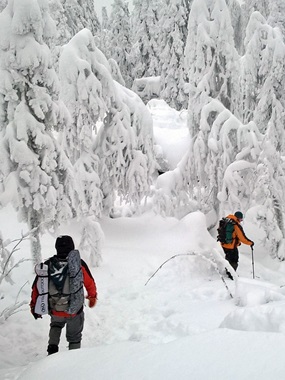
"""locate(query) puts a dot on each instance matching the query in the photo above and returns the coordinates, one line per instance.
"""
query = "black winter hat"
(239, 214)
(63, 245)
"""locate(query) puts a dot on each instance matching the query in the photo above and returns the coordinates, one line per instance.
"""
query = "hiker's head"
(239, 216)
(63, 245)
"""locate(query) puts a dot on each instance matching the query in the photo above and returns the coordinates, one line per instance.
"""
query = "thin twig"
(193, 254)
(21, 288)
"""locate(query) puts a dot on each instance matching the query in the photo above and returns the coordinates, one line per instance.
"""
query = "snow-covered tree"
(103, 39)
(120, 38)
(269, 194)
(211, 58)
(145, 32)
(77, 15)
(81, 91)
(63, 33)
(173, 37)
(250, 6)
(237, 23)
(277, 15)
(262, 79)
(116, 72)
(92, 95)
(29, 112)
(222, 159)
(91, 241)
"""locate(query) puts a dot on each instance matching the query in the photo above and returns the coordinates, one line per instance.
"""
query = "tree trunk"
(33, 221)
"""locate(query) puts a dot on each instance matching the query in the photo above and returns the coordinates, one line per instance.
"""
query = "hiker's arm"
(34, 297)
(241, 235)
(88, 280)
(34, 294)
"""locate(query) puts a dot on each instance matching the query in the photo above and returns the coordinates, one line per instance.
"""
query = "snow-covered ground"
(163, 310)
(170, 131)
(182, 324)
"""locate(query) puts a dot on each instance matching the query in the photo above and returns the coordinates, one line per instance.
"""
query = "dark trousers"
(74, 328)
(232, 257)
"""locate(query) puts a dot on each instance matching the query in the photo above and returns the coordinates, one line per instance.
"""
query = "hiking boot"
(74, 345)
(52, 349)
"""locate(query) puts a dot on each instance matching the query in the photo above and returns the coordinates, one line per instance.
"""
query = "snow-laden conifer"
(173, 35)
(237, 23)
(63, 33)
(122, 151)
(120, 38)
(30, 112)
(116, 72)
(262, 77)
(211, 58)
(103, 38)
(276, 15)
(79, 15)
(269, 194)
(91, 241)
(82, 92)
(145, 32)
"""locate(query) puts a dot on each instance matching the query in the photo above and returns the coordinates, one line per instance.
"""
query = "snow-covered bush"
(7, 265)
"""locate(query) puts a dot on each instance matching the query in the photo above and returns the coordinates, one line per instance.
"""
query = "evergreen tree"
(211, 58)
(269, 194)
(237, 23)
(120, 42)
(29, 112)
(91, 241)
(262, 77)
(103, 39)
(172, 42)
(79, 15)
(63, 33)
(145, 32)
(276, 15)
(81, 91)
(116, 72)
(109, 152)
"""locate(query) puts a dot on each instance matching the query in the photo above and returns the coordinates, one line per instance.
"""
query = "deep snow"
(183, 324)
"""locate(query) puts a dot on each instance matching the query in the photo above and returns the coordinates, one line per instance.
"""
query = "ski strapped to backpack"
(65, 286)
(225, 230)
(41, 306)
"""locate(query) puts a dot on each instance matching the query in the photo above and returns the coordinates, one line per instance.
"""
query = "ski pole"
(252, 262)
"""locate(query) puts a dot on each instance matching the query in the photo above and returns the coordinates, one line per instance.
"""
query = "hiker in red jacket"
(59, 315)
(238, 237)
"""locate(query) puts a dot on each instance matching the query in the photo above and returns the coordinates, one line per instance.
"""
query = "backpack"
(225, 230)
(65, 284)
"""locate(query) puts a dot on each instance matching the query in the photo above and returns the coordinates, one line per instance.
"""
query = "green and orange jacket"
(238, 235)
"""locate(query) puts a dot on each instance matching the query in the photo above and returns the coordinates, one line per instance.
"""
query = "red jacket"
(88, 282)
(238, 235)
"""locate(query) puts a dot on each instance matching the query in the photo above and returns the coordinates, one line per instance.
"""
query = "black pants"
(232, 257)
(74, 328)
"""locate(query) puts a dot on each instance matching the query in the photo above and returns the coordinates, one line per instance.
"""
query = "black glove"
(252, 244)
(35, 315)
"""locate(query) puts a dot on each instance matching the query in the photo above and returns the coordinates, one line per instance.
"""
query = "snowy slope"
(182, 323)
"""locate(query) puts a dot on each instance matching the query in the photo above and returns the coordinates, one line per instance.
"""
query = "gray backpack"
(65, 286)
